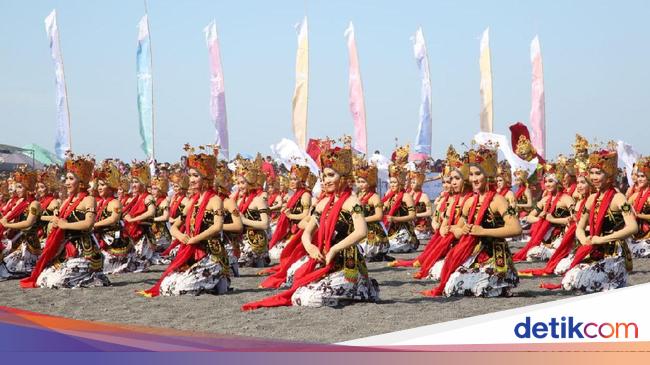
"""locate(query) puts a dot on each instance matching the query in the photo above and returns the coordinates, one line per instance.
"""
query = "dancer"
(375, 245)
(640, 244)
(422, 203)
(399, 211)
(138, 215)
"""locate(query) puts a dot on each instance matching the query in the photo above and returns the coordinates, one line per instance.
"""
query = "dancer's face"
(362, 184)
(20, 190)
(103, 189)
(583, 187)
(294, 182)
(242, 184)
(71, 183)
(598, 178)
(415, 186)
(568, 180)
(196, 180)
(550, 184)
(136, 186)
(331, 180)
(501, 183)
(477, 178)
(641, 179)
(394, 184)
(41, 190)
(446, 183)
(456, 181)
(155, 191)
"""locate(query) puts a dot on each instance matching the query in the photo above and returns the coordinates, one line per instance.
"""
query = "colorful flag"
(217, 90)
(537, 112)
(63, 142)
(357, 106)
(486, 83)
(423, 138)
(301, 91)
(145, 88)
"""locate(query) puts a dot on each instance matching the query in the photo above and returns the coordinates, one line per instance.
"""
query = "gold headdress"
(4, 187)
(26, 177)
(49, 178)
(311, 181)
(581, 147)
(525, 148)
(455, 162)
(368, 173)
(82, 167)
(485, 158)
(419, 174)
(140, 171)
(283, 181)
(566, 166)
(551, 170)
(503, 170)
(336, 158)
(301, 172)
(605, 160)
(204, 163)
(109, 173)
(643, 166)
(223, 176)
(251, 170)
(161, 183)
(397, 168)
(180, 178)
(125, 184)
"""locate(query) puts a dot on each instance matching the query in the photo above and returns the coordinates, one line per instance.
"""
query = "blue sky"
(596, 62)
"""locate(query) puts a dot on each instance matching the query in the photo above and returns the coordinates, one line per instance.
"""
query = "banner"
(627, 157)
(357, 106)
(486, 83)
(217, 90)
(145, 88)
(537, 112)
(301, 91)
(63, 142)
(423, 138)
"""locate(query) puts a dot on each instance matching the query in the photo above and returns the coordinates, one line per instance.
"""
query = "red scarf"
(176, 203)
(46, 201)
(101, 207)
(186, 252)
(441, 247)
(160, 199)
(504, 191)
(366, 197)
(16, 211)
(247, 199)
(393, 208)
(540, 229)
(462, 251)
(53, 242)
(8, 206)
(416, 199)
(137, 206)
(284, 222)
(123, 200)
(571, 189)
(640, 200)
(597, 215)
(520, 192)
(308, 273)
(563, 249)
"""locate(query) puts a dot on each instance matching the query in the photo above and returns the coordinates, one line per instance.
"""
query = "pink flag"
(357, 106)
(217, 90)
(537, 112)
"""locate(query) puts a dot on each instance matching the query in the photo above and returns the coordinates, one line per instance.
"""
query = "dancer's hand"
(476, 230)
(597, 240)
(184, 238)
(466, 229)
(331, 255)
(444, 230)
(192, 241)
(314, 253)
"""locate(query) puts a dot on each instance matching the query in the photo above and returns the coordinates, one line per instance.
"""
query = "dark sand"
(401, 305)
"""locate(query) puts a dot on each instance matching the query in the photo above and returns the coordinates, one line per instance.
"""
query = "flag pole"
(153, 119)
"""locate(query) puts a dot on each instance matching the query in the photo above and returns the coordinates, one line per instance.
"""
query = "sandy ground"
(401, 306)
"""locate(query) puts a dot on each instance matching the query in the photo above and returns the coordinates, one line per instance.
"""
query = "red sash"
(462, 251)
(282, 228)
(176, 203)
(393, 208)
(16, 211)
(596, 220)
(539, 231)
(520, 192)
(308, 273)
(504, 191)
(137, 206)
(247, 199)
(186, 252)
(53, 243)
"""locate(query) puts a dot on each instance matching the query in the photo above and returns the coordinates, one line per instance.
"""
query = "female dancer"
(481, 264)
(255, 215)
(336, 271)
(399, 211)
(180, 184)
(422, 203)
(232, 225)
(640, 200)
(375, 245)
(71, 257)
(138, 214)
(504, 183)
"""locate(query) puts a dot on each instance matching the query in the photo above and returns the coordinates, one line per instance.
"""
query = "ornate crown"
(204, 163)
(109, 173)
(26, 177)
(504, 170)
(552, 170)
(566, 165)
(605, 160)
(311, 181)
(401, 154)
(125, 184)
(455, 162)
(581, 146)
(368, 173)
(140, 171)
(643, 165)
(161, 183)
(4, 187)
(180, 178)
(81, 166)
(48, 178)
(525, 148)
(336, 158)
(485, 158)
(283, 181)
(301, 172)
(251, 170)
(419, 174)
(223, 176)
